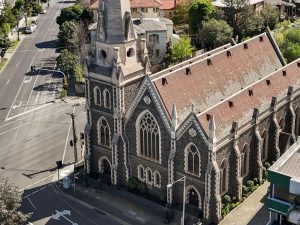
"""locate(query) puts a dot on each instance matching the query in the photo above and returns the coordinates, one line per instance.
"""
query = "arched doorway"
(105, 170)
(193, 197)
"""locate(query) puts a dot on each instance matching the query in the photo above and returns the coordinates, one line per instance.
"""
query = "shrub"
(227, 199)
(141, 187)
(255, 180)
(267, 165)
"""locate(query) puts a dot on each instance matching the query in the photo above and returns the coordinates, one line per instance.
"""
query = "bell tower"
(116, 62)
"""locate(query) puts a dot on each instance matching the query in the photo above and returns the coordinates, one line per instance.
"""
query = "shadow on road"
(52, 86)
(47, 44)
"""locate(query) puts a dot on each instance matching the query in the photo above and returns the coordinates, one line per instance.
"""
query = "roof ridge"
(205, 58)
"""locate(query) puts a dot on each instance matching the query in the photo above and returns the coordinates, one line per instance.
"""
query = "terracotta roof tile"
(94, 4)
(168, 4)
(145, 3)
(244, 103)
(226, 75)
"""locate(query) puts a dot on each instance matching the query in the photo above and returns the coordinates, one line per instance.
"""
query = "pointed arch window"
(297, 122)
(107, 99)
(141, 175)
(97, 96)
(223, 177)
(148, 137)
(264, 147)
(244, 160)
(103, 132)
(149, 176)
(157, 179)
(192, 160)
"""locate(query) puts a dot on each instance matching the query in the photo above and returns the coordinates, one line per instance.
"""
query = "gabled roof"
(257, 95)
(145, 3)
(217, 76)
(168, 4)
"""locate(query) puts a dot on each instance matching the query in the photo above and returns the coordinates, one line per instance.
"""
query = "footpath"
(124, 207)
(252, 211)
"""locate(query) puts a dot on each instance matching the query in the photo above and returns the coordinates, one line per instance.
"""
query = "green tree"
(67, 62)
(8, 16)
(180, 50)
(181, 12)
(198, 12)
(4, 41)
(233, 11)
(67, 36)
(74, 13)
(270, 15)
(251, 23)
(215, 33)
(10, 202)
(79, 75)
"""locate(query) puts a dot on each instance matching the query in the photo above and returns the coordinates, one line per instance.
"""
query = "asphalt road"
(51, 208)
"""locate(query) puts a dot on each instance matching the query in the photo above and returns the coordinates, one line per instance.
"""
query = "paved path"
(252, 211)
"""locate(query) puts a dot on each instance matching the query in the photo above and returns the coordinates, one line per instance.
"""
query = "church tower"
(115, 65)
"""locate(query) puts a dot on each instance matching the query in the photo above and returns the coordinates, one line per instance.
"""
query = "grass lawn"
(14, 44)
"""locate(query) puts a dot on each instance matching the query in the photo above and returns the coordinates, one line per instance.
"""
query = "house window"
(157, 52)
(155, 10)
(244, 160)
(157, 179)
(107, 100)
(103, 132)
(145, 10)
(97, 96)
(192, 160)
(153, 39)
(134, 10)
(297, 122)
(148, 176)
(141, 175)
(223, 177)
(148, 136)
(264, 147)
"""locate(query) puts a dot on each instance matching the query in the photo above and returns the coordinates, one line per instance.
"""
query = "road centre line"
(8, 81)
(31, 203)
(17, 65)
(33, 88)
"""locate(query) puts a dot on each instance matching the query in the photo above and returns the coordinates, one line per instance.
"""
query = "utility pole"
(74, 144)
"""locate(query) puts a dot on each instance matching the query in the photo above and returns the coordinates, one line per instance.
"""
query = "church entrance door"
(105, 171)
(193, 198)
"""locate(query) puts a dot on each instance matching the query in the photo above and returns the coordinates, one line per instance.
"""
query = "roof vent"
(284, 72)
(228, 53)
(191, 61)
(231, 104)
(250, 92)
(208, 54)
(188, 71)
(261, 38)
(298, 64)
(268, 82)
(164, 81)
(209, 62)
(207, 116)
(170, 70)
(245, 46)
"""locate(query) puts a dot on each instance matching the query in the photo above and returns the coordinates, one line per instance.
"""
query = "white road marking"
(17, 106)
(20, 114)
(30, 185)
(31, 203)
(32, 88)
(8, 81)
(66, 143)
(37, 190)
(37, 97)
(140, 219)
(17, 65)
(62, 214)
(27, 81)
(132, 212)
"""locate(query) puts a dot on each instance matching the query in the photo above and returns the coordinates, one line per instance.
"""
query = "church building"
(216, 118)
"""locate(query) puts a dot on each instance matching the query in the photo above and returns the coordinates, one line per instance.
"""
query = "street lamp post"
(183, 179)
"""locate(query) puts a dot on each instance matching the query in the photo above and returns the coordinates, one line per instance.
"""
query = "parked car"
(43, 11)
(30, 29)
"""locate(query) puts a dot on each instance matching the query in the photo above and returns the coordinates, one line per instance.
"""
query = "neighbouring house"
(257, 5)
(284, 191)
(145, 8)
(167, 8)
(287, 9)
(215, 118)
(158, 33)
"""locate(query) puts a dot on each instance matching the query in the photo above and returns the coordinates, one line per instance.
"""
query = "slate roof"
(258, 95)
(152, 25)
(217, 76)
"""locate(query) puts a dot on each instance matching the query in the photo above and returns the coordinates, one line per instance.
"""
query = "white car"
(30, 29)
(43, 11)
